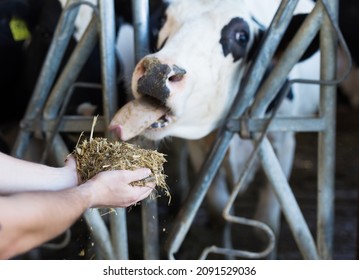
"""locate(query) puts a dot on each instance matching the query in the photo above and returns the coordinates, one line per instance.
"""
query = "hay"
(100, 154)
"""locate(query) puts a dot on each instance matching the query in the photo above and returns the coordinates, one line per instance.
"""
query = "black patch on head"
(235, 38)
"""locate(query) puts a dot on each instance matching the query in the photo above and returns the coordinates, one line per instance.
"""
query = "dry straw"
(100, 154)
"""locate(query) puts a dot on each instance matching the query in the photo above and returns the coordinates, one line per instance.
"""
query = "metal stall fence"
(45, 119)
(323, 18)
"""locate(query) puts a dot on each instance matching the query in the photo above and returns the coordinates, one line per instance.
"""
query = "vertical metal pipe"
(326, 145)
(107, 32)
(100, 233)
(141, 11)
(149, 209)
(108, 57)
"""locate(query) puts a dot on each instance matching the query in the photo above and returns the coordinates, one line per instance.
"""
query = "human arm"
(30, 219)
(17, 175)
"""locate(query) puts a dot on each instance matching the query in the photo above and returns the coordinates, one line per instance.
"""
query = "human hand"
(112, 189)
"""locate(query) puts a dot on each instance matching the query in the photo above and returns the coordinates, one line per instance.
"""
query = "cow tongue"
(135, 116)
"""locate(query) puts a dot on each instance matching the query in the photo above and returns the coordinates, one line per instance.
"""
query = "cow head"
(187, 86)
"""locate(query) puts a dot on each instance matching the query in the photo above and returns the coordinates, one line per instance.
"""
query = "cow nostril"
(177, 75)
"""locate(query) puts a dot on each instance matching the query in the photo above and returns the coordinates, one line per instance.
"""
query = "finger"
(138, 174)
(142, 192)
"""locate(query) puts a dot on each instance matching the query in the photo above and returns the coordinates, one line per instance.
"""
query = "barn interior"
(22, 62)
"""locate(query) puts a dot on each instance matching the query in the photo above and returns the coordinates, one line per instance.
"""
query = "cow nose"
(155, 78)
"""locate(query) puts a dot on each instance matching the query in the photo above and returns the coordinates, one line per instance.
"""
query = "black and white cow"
(186, 88)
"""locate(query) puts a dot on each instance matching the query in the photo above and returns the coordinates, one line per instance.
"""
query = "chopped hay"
(100, 154)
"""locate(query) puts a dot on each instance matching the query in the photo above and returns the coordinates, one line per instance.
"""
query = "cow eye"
(242, 37)
(234, 38)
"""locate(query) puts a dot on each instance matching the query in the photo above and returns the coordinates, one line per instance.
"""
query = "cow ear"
(257, 42)
(293, 26)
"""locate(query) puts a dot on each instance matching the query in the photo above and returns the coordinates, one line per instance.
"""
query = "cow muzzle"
(156, 79)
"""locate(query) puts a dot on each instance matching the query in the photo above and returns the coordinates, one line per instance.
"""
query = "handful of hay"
(99, 154)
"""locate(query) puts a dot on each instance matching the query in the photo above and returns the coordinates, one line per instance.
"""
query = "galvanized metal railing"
(41, 118)
(41, 122)
(323, 18)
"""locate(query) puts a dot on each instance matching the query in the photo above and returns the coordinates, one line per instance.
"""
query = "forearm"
(30, 219)
(19, 175)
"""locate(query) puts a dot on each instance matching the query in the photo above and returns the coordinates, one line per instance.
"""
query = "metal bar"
(267, 92)
(214, 159)
(291, 210)
(149, 206)
(108, 57)
(76, 124)
(141, 26)
(326, 140)
(51, 132)
(107, 34)
(62, 36)
(59, 151)
(71, 71)
(99, 230)
(118, 223)
(280, 124)
(242, 253)
(188, 211)
(271, 41)
(290, 57)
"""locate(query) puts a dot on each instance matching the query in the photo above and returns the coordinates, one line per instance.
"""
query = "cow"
(186, 87)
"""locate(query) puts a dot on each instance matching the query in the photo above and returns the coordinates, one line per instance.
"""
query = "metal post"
(99, 230)
(290, 57)
(107, 34)
(326, 145)
(108, 57)
(287, 200)
(149, 206)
